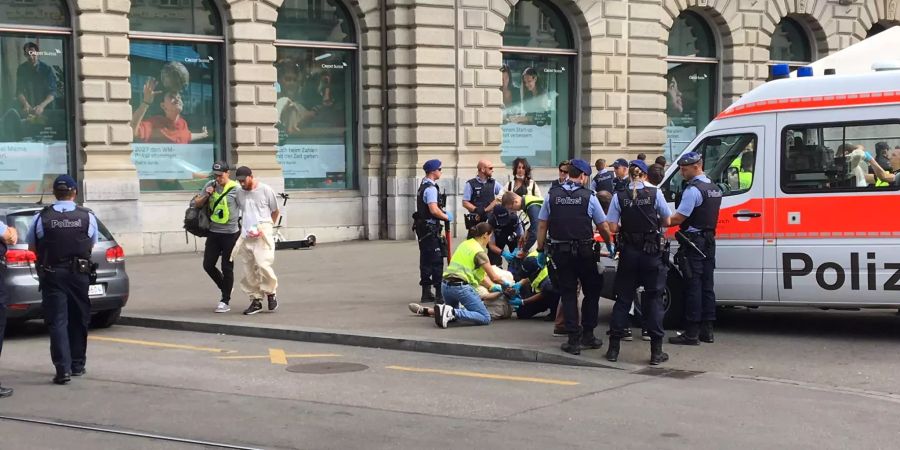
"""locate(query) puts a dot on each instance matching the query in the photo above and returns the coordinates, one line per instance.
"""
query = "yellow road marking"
(489, 376)
(288, 356)
(277, 356)
(159, 344)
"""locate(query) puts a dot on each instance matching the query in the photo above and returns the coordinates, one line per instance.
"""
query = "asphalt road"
(255, 393)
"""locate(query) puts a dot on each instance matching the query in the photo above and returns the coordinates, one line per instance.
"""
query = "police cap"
(621, 162)
(581, 165)
(689, 158)
(500, 217)
(431, 165)
(64, 183)
(530, 267)
(640, 165)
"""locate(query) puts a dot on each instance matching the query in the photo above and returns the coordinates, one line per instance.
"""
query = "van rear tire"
(673, 301)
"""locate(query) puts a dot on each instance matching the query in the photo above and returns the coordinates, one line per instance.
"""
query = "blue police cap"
(500, 216)
(530, 267)
(640, 165)
(581, 165)
(431, 165)
(64, 183)
(689, 158)
(621, 162)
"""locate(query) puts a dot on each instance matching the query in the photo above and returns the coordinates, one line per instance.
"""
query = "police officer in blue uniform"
(603, 181)
(62, 236)
(697, 214)
(480, 194)
(638, 214)
(507, 238)
(427, 226)
(620, 179)
(569, 215)
(8, 236)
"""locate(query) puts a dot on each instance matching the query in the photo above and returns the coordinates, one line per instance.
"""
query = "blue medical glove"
(517, 287)
(542, 259)
(611, 249)
(508, 255)
(516, 302)
(506, 285)
(496, 288)
(867, 157)
(449, 216)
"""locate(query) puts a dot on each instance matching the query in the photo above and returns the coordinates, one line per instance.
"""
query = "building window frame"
(807, 35)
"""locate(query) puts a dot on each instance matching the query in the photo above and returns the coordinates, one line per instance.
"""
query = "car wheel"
(673, 301)
(106, 319)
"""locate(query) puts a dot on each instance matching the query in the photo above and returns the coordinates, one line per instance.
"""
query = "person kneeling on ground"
(466, 271)
(497, 303)
(538, 292)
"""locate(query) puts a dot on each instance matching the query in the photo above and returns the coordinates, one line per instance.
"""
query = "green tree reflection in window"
(691, 36)
(790, 43)
(314, 20)
(536, 24)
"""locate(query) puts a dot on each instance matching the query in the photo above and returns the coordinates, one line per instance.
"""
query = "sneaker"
(645, 335)
(255, 307)
(417, 309)
(628, 336)
(443, 315)
(560, 332)
(5, 392)
(223, 307)
(273, 304)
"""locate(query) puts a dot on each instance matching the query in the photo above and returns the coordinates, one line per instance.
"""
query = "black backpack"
(196, 220)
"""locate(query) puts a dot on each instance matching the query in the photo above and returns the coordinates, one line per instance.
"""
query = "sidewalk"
(350, 293)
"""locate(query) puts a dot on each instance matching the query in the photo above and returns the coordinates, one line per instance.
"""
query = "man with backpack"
(219, 200)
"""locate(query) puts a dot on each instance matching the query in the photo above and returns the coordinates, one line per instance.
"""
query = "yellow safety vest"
(462, 264)
(532, 200)
(746, 179)
(221, 214)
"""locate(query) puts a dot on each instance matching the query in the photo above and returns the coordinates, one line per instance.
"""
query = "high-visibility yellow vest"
(746, 179)
(221, 214)
(532, 200)
(462, 264)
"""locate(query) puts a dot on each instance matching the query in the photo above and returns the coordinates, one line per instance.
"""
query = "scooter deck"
(293, 245)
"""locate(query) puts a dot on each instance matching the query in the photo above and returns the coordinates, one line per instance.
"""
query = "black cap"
(243, 172)
(220, 167)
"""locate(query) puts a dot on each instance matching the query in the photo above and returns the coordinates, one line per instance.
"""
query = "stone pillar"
(251, 77)
(110, 183)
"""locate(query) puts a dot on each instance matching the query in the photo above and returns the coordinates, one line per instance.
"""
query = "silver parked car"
(108, 295)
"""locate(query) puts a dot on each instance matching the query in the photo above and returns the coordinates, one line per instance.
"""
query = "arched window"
(317, 101)
(176, 92)
(790, 45)
(35, 95)
(692, 80)
(539, 72)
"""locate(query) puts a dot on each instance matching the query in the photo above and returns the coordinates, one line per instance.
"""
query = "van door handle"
(747, 214)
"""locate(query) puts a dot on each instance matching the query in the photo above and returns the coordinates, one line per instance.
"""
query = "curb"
(359, 340)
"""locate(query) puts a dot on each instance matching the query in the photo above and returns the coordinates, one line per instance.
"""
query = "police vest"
(221, 214)
(569, 219)
(706, 216)
(620, 184)
(462, 264)
(507, 233)
(639, 214)
(603, 181)
(424, 213)
(482, 194)
(65, 236)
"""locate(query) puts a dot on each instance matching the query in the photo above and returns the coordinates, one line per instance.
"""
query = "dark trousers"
(699, 293)
(431, 259)
(549, 301)
(567, 269)
(4, 300)
(67, 309)
(220, 245)
(637, 268)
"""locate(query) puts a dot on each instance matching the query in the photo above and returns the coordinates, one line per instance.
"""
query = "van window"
(831, 158)
(728, 160)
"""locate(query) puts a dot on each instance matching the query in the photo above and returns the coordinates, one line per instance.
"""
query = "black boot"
(689, 337)
(438, 296)
(612, 353)
(706, 332)
(427, 295)
(573, 345)
(657, 355)
(588, 340)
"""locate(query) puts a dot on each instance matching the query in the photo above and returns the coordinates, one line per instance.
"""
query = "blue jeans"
(474, 312)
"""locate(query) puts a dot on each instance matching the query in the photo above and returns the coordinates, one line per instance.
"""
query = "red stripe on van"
(826, 101)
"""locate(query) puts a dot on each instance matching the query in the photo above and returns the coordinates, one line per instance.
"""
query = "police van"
(803, 220)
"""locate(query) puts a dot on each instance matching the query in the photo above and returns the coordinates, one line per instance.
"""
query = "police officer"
(603, 181)
(8, 236)
(697, 214)
(638, 215)
(480, 194)
(570, 214)
(620, 179)
(427, 225)
(62, 236)
(508, 237)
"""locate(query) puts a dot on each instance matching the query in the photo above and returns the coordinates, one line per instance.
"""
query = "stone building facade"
(443, 96)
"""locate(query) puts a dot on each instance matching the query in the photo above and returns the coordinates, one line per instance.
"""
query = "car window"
(728, 160)
(832, 157)
(22, 222)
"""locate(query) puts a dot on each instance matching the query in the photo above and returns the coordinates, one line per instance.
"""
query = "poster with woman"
(175, 113)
